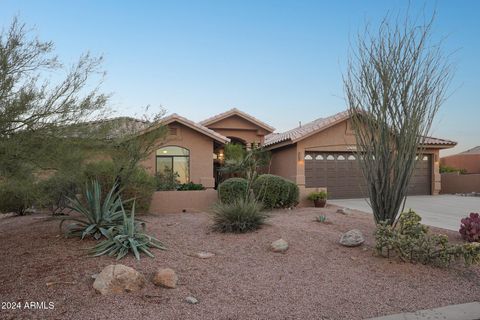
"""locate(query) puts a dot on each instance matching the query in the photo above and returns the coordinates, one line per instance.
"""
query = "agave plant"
(97, 216)
(321, 218)
(129, 236)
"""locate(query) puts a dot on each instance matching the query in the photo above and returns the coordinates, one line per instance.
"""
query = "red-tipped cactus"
(470, 228)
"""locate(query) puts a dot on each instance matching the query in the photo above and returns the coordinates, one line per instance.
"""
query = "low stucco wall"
(460, 183)
(182, 201)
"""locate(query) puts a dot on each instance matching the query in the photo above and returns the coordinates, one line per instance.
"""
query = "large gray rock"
(352, 238)
(279, 245)
(165, 278)
(117, 279)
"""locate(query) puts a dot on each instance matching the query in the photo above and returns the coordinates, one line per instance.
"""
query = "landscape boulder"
(118, 279)
(279, 245)
(191, 300)
(165, 278)
(352, 238)
(344, 211)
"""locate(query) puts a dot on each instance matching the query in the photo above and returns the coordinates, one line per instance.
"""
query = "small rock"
(204, 255)
(165, 278)
(191, 300)
(343, 211)
(116, 279)
(352, 238)
(279, 245)
(94, 276)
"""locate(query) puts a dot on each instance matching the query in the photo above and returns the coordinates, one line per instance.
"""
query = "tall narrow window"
(176, 160)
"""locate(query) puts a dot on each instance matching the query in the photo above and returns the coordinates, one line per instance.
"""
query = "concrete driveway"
(443, 211)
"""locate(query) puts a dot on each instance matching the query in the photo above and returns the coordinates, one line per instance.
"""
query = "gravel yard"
(315, 279)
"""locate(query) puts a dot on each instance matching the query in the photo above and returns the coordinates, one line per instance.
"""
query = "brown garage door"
(343, 177)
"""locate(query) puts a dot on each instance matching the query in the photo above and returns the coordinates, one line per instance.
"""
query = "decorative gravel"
(315, 279)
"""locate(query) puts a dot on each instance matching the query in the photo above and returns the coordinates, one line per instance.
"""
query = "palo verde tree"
(37, 112)
(395, 83)
(134, 141)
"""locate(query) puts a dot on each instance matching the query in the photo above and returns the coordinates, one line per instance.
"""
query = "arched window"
(174, 160)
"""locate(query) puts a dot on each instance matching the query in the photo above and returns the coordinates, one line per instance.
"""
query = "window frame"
(172, 159)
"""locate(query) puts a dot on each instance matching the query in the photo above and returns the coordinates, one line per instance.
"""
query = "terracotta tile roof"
(191, 124)
(321, 124)
(305, 130)
(438, 141)
(239, 113)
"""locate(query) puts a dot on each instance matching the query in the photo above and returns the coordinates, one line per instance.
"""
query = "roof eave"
(175, 118)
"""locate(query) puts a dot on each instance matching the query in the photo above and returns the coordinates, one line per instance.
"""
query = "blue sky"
(281, 61)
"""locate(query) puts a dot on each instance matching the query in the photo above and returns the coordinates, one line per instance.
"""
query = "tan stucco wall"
(284, 162)
(469, 162)
(201, 154)
(339, 137)
(183, 201)
(235, 126)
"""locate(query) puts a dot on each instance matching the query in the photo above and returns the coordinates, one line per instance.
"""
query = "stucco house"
(315, 155)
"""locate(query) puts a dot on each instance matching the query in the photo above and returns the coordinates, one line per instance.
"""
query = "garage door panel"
(343, 177)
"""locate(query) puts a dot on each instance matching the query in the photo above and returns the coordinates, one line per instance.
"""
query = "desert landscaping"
(315, 278)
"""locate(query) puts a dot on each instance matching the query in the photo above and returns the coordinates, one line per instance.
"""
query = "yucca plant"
(129, 236)
(97, 215)
(240, 216)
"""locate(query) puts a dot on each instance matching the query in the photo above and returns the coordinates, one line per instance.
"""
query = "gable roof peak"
(174, 117)
(237, 112)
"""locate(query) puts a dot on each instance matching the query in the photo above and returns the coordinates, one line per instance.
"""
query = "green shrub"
(167, 180)
(135, 183)
(140, 186)
(275, 192)
(17, 195)
(125, 237)
(448, 169)
(239, 216)
(232, 189)
(102, 171)
(321, 195)
(190, 186)
(411, 241)
(54, 191)
(98, 213)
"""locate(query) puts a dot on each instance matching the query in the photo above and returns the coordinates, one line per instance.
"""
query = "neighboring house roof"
(306, 130)
(192, 125)
(236, 112)
(475, 150)
(469, 152)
